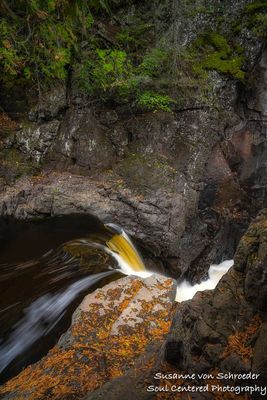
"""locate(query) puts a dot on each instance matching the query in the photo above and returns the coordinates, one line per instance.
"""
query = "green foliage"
(104, 69)
(44, 40)
(41, 39)
(154, 101)
(38, 38)
(109, 72)
(153, 62)
(256, 6)
(135, 35)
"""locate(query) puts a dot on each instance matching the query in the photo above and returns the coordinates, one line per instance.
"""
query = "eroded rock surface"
(224, 330)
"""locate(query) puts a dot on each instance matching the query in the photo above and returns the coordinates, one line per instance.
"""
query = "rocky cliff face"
(225, 329)
(185, 184)
(193, 177)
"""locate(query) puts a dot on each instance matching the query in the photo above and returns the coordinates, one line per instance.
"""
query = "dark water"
(42, 280)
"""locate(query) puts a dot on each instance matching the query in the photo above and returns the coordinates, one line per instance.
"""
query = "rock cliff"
(194, 175)
(184, 181)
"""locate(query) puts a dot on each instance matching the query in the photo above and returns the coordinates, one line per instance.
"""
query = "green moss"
(201, 10)
(213, 52)
(231, 66)
(254, 17)
(219, 43)
(256, 6)
(236, 27)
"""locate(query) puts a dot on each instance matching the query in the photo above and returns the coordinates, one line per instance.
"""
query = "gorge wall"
(192, 177)
(184, 182)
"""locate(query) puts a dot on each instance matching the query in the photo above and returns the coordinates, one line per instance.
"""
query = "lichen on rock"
(110, 330)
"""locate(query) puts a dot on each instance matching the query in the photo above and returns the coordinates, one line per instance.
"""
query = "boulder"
(110, 330)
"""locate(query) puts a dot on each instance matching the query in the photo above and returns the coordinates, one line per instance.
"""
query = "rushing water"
(45, 271)
(41, 317)
(186, 291)
(46, 267)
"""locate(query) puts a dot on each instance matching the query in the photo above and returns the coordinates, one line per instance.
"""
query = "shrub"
(153, 62)
(38, 38)
(108, 72)
(104, 69)
(154, 101)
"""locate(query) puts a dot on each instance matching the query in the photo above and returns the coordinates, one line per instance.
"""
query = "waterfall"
(186, 291)
(123, 250)
(41, 316)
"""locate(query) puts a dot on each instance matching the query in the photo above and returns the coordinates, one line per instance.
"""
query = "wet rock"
(251, 258)
(256, 285)
(218, 329)
(256, 96)
(109, 332)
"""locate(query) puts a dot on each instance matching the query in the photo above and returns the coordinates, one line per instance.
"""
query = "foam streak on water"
(40, 318)
(186, 291)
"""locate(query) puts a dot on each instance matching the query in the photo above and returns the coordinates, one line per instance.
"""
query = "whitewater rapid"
(186, 291)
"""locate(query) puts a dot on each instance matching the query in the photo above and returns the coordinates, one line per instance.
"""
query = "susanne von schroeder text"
(220, 375)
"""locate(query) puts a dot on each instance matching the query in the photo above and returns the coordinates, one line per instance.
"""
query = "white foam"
(126, 268)
(186, 291)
